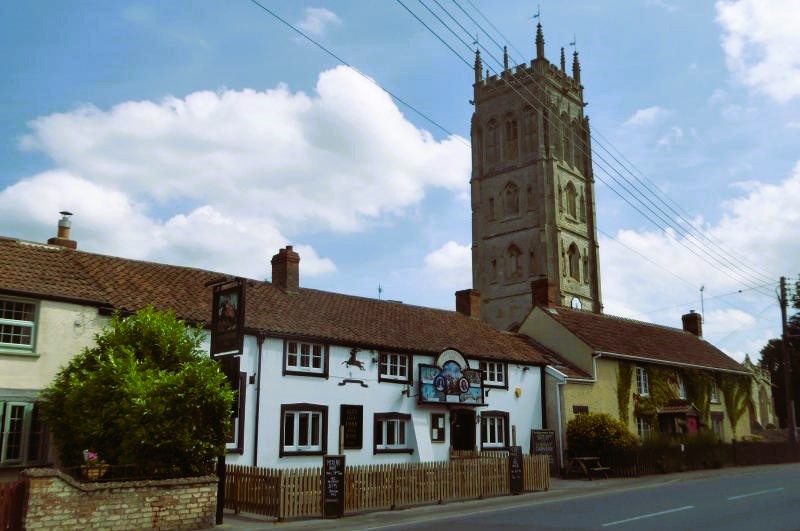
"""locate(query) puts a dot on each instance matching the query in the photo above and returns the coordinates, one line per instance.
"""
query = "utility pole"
(787, 368)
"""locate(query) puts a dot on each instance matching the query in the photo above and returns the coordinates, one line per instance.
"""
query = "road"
(764, 498)
(760, 499)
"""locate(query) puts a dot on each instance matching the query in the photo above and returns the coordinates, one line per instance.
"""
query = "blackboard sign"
(543, 442)
(352, 419)
(515, 471)
(332, 486)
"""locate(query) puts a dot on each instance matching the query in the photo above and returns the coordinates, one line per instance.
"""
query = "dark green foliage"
(592, 434)
(736, 391)
(624, 383)
(144, 395)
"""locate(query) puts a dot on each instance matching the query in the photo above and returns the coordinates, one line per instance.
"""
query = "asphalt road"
(762, 498)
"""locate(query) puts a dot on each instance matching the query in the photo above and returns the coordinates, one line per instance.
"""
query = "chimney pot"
(62, 236)
(693, 323)
(468, 302)
(286, 270)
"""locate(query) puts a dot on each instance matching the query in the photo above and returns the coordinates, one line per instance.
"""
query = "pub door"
(462, 429)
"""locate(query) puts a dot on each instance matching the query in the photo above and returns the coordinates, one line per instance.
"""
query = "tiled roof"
(48, 271)
(628, 338)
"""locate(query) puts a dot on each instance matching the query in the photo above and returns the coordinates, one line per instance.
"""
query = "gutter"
(599, 354)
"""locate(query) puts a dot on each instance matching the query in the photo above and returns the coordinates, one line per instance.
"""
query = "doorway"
(462, 429)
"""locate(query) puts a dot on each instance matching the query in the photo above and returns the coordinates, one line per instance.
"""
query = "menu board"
(351, 417)
(332, 486)
(543, 442)
(515, 470)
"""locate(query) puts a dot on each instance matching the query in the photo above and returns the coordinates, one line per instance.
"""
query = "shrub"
(144, 395)
(596, 433)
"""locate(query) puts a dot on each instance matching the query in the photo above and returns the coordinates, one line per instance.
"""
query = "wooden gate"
(12, 505)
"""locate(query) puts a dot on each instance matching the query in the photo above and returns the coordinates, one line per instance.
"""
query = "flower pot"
(93, 472)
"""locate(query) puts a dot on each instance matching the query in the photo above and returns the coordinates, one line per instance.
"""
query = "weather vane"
(538, 12)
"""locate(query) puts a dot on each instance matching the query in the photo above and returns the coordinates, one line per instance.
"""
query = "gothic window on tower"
(530, 197)
(574, 259)
(566, 134)
(494, 270)
(530, 136)
(585, 269)
(572, 200)
(491, 208)
(531, 263)
(511, 197)
(510, 147)
(514, 256)
(577, 143)
(491, 142)
(583, 208)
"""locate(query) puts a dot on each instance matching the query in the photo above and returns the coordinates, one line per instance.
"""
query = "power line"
(345, 63)
(690, 241)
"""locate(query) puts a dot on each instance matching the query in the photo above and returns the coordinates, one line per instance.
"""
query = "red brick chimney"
(62, 239)
(693, 323)
(286, 270)
(468, 302)
(543, 293)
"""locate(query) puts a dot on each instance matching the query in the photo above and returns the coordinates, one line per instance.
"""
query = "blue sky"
(207, 133)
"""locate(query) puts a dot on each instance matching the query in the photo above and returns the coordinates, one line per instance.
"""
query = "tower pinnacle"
(539, 41)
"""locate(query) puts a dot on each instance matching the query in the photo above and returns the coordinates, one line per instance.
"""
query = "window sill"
(393, 451)
(494, 385)
(296, 372)
(389, 379)
(296, 453)
(19, 353)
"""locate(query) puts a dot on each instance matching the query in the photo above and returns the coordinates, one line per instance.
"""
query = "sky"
(211, 134)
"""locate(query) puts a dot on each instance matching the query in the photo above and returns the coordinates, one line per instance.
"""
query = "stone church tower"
(534, 238)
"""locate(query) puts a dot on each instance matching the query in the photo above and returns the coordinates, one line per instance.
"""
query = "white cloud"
(327, 162)
(450, 265)
(757, 227)
(647, 116)
(760, 40)
(214, 177)
(671, 137)
(317, 20)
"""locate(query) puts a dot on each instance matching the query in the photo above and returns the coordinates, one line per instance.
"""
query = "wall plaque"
(351, 417)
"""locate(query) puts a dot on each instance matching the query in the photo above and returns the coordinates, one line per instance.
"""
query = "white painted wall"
(525, 410)
(62, 331)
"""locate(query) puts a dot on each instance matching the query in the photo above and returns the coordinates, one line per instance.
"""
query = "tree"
(144, 395)
(772, 361)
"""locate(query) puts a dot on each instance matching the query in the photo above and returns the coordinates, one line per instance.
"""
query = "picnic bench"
(587, 466)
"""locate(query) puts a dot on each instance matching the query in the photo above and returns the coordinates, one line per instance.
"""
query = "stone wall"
(57, 501)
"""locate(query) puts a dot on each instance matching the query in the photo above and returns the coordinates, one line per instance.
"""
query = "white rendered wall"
(524, 406)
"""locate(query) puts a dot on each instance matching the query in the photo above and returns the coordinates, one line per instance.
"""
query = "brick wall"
(57, 501)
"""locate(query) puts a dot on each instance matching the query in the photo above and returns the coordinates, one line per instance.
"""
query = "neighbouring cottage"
(654, 378)
(405, 383)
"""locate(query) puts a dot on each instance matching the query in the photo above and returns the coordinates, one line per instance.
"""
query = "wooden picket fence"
(297, 493)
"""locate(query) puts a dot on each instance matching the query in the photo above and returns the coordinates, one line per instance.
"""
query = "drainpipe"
(260, 342)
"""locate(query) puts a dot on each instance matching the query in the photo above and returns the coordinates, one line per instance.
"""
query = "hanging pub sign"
(450, 381)
(227, 318)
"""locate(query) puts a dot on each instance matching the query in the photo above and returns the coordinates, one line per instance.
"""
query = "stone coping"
(108, 485)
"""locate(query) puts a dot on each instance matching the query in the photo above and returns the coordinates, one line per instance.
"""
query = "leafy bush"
(144, 395)
(596, 433)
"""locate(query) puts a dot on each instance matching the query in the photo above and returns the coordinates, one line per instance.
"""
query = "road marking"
(651, 515)
(740, 496)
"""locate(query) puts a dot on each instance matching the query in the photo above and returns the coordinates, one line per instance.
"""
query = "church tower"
(534, 238)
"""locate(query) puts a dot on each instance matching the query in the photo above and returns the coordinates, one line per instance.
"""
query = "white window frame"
(299, 416)
(392, 433)
(298, 361)
(681, 387)
(643, 427)
(494, 373)
(493, 431)
(642, 382)
(8, 324)
(713, 393)
(399, 363)
(23, 457)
